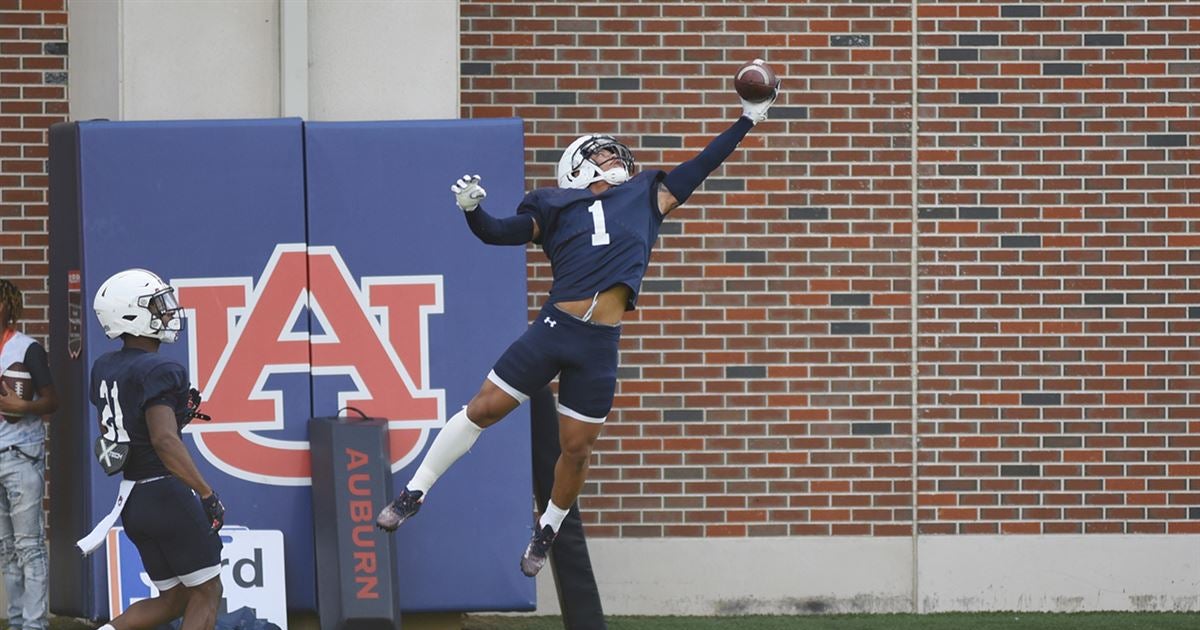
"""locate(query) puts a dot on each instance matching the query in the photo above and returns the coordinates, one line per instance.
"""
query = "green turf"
(944, 621)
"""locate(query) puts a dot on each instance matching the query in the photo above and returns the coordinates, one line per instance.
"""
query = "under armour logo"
(551, 322)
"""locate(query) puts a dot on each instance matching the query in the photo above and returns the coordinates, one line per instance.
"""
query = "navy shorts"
(583, 355)
(166, 522)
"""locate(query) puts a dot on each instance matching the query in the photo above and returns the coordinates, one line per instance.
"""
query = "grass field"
(944, 621)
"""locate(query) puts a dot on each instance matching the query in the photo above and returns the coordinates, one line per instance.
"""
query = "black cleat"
(403, 508)
(535, 554)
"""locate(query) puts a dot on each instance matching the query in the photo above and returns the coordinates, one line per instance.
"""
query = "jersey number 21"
(112, 419)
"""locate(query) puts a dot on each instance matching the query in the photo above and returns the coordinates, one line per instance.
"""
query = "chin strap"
(615, 176)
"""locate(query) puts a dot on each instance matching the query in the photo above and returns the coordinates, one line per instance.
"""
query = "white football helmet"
(139, 303)
(577, 170)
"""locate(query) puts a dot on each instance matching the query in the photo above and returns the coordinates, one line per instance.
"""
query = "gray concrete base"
(1060, 573)
(788, 576)
(746, 576)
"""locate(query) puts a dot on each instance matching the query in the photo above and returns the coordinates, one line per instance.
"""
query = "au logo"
(242, 332)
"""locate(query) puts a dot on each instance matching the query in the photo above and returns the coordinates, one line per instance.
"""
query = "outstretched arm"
(681, 182)
(515, 230)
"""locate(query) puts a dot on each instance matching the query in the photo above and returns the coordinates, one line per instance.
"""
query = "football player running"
(144, 400)
(597, 228)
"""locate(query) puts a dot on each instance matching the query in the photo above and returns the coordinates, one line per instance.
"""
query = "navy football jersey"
(126, 382)
(595, 242)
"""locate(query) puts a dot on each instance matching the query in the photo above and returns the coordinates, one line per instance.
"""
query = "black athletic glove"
(193, 405)
(215, 510)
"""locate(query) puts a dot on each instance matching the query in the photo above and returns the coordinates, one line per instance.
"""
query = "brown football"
(17, 380)
(755, 81)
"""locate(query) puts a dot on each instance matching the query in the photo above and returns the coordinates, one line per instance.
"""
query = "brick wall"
(767, 377)
(33, 96)
(1059, 267)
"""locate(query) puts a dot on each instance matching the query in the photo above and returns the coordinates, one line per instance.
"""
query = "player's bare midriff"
(610, 306)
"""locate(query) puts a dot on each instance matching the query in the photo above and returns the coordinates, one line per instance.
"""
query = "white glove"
(757, 112)
(468, 193)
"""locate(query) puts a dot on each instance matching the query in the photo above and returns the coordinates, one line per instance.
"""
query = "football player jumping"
(597, 228)
(144, 400)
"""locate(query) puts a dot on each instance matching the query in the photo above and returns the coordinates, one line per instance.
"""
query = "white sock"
(553, 516)
(107, 626)
(451, 443)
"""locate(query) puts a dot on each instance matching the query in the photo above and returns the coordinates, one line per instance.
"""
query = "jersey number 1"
(599, 236)
(112, 420)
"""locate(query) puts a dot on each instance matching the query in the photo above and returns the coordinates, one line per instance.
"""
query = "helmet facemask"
(166, 316)
(576, 168)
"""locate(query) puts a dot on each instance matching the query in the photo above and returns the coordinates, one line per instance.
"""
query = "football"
(755, 81)
(16, 379)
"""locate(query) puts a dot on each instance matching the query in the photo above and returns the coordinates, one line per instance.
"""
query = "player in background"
(23, 470)
(144, 400)
(597, 228)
